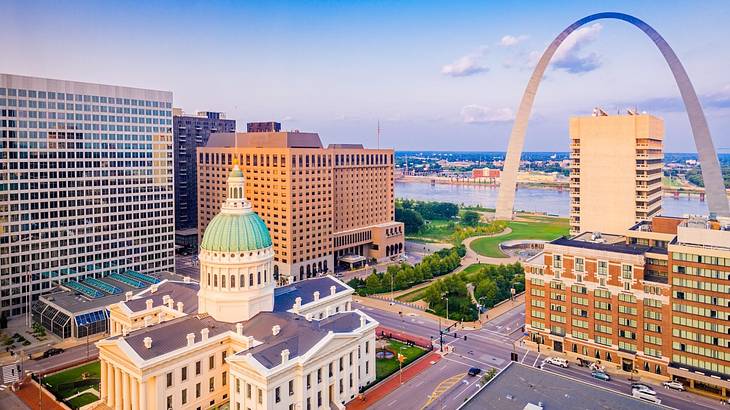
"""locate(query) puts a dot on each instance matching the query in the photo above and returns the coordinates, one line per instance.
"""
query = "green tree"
(470, 218)
(411, 219)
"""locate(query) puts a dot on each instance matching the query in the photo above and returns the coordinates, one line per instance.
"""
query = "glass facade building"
(86, 184)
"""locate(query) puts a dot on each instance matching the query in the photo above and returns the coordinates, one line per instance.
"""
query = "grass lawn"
(537, 227)
(54, 381)
(413, 296)
(436, 230)
(386, 367)
(671, 182)
(82, 400)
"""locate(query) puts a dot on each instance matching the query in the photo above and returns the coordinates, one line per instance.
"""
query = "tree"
(411, 219)
(470, 218)
(487, 289)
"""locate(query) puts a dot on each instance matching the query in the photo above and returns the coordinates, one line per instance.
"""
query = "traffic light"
(464, 337)
(455, 336)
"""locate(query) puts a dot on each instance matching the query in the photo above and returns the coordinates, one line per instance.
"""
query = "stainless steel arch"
(717, 200)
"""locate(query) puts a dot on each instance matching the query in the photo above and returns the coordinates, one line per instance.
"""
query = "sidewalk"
(29, 394)
(393, 382)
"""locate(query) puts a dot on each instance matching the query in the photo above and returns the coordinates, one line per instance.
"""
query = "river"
(551, 201)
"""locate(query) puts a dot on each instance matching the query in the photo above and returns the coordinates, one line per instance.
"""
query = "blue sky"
(438, 75)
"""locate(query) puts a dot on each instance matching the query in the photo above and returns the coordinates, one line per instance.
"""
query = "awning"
(352, 258)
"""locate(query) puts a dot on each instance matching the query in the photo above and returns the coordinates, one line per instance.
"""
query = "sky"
(436, 75)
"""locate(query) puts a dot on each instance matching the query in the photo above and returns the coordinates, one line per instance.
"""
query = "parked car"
(643, 387)
(646, 395)
(557, 361)
(601, 376)
(675, 385)
(52, 352)
(339, 275)
(474, 371)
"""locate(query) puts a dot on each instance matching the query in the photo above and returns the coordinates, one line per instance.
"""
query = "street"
(446, 385)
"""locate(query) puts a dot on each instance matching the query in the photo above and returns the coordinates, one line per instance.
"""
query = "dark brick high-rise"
(192, 131)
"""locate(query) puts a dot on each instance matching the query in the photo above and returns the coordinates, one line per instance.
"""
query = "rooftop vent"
(180, 306)
(128, 295)
(148, 342)
(239, 329)
(204, 333)
(284, 356)
(316, 295)
(190, 338)
(333, 290)
(275, 329)
(148, 304)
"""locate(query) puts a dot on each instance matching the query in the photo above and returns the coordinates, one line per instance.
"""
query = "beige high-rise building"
(322, 205)
(616, 171)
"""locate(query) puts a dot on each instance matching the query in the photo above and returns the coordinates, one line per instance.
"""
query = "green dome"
(236, 233)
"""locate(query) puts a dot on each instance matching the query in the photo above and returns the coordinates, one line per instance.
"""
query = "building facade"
(616, 171)
(86, 184)
(651, 301)
(244, 343)
(191, 131)
(322, 205)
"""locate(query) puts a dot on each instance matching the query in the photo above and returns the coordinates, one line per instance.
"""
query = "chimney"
(284, 356)
(147, 321)
(165, 299)
(153, 289)
(180, 307)
(171, 303)
(186, 279)
(160, 317)
(239, 329)
(333, 290)
(204, 333)
(148, 342)
(251, 341)
(128, 295)
(275, 329)
(148, 304)
(191, 338)
(316, 295)
(298, 301)
(362, 321)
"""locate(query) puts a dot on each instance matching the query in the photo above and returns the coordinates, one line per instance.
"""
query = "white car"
(642, 387)
(646, 395)
(557, 361)
(673, 385)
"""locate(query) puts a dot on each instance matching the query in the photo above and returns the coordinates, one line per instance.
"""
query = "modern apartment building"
(616, 171)
(86, 184)
(191, 131)
(652, 300)
(323, 206)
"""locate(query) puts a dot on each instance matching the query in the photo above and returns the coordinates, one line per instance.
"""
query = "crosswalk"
(10, 374)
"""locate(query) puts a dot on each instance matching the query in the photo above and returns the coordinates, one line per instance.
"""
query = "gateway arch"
(717, 200)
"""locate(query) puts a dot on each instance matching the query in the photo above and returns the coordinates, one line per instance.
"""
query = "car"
(645, 395)
(601, 376)
(557, 361)
(339, 275)
(642, 387)
(52, 352)
(474, 371)
(674, 385)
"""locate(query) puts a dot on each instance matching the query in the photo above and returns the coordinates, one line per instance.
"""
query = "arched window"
(223, 281)
(266, 278)
(242, 281)
(258, 278)
(208, 278)
(233, 281)
(250, 279)
(215, 281)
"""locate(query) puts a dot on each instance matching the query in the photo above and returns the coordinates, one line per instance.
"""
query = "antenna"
(378, 134)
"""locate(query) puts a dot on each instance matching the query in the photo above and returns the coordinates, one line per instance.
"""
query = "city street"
(446, 385)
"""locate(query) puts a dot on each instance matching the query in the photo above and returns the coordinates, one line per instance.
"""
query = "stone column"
(125, 392)
(117, 389)
(142, 395)
(103, 379)
(135, 391)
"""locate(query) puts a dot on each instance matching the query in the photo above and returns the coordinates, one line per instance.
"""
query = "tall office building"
(190, 132)
(322, 205)
(616, 171)
(652, 300)
(86, 184)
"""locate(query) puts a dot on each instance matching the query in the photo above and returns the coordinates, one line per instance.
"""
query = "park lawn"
(386, 367)
(537, 227)
(413, 296)
(671, 182)
(72, 375)
(435, 230)
(82, 400)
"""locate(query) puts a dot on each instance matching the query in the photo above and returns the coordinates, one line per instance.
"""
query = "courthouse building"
(652, 300)
(234, 338)
(323, 206)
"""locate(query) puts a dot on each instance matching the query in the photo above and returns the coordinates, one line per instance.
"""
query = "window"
(319, 375)
(169, 379)
(211, 384)
(580, 265)
(291, 387)
(603, 267)
(197, 390)
(197, 368)
(211, 362)
(627, 271)
(184, 373)
(277, 395)
(238, 385)
(248, 390)
(169, 402)
(309, 381)
(558, 261)
(184, 396)
(319, 399)
(261, 396)
(224, 378)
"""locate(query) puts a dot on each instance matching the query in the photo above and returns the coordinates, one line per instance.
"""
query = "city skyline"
(425, 72)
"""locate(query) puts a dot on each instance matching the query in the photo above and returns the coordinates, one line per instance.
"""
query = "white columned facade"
(117, 388)
(143, 395)
(103, 382)
(125, 391)
(135, 392)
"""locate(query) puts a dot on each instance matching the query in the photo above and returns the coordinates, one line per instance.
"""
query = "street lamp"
(447, 308)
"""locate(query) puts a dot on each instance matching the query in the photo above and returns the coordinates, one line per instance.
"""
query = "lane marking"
(392, 402)
(442, 388)
(536, 359)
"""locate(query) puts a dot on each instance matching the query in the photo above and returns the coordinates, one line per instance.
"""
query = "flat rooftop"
(518, 386)
(609, 247)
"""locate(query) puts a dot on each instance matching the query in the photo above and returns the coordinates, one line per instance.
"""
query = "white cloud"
(509, 40)
(477, 114)
(467, 65)
(568, 56)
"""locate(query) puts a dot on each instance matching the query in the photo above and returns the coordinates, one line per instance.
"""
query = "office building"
(270, 126)
(323, 206)
(616, 171)
(653, 300)
(86, 184)
(234, 339)
(191, 131)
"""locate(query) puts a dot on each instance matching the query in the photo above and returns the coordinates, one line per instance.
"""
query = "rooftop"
(518, 386)
(281, 139)
(285, 296)
(608, 247)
